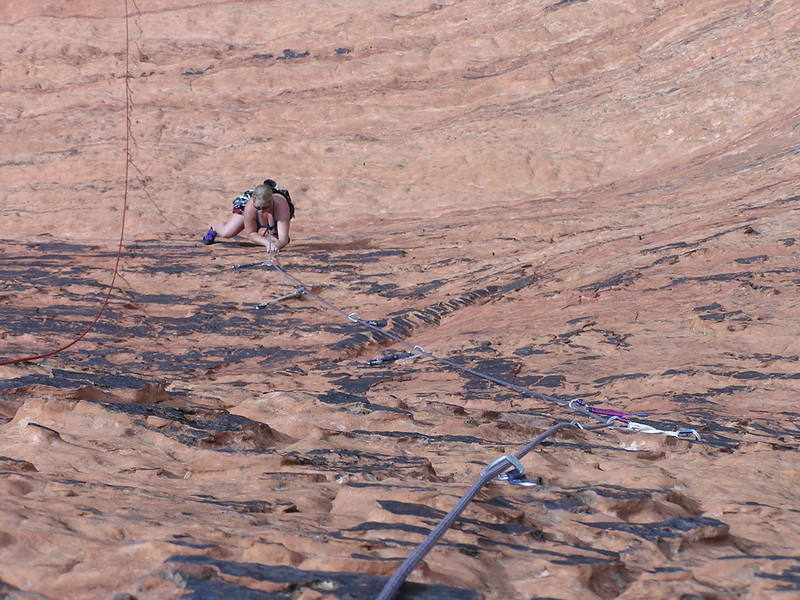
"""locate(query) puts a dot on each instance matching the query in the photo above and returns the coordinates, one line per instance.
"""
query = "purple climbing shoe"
(208, 238)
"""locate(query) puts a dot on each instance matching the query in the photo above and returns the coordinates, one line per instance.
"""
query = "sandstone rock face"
(588, 199)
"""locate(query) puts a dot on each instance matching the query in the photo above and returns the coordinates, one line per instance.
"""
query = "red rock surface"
(593, 199)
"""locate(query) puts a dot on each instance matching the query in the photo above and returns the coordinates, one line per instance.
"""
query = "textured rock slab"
(593, 199)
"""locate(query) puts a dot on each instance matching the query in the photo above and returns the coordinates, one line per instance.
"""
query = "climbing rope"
(494, 470)
(606, 416)
(111, 285)
(609, 419)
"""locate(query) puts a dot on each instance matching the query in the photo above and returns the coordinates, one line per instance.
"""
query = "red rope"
(124, 210)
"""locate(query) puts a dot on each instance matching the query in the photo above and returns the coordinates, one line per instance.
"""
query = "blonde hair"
(262, 192)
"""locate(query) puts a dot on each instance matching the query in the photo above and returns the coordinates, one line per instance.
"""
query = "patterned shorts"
(240, 201)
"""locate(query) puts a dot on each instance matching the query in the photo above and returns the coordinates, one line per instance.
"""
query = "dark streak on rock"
(627, 376)
(70, 379)
(562, 4)
(334, 397)
(671, 535)
(377, 466)
(207, 578)
(198, 72)
(684, 245)
(289, 54)
(622, 279)
(752, 259)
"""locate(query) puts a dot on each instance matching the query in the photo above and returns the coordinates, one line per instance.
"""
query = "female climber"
(265, 206)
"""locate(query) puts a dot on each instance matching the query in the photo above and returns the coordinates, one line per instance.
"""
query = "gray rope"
(422, 352)
(297, 293)
(493, 470)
